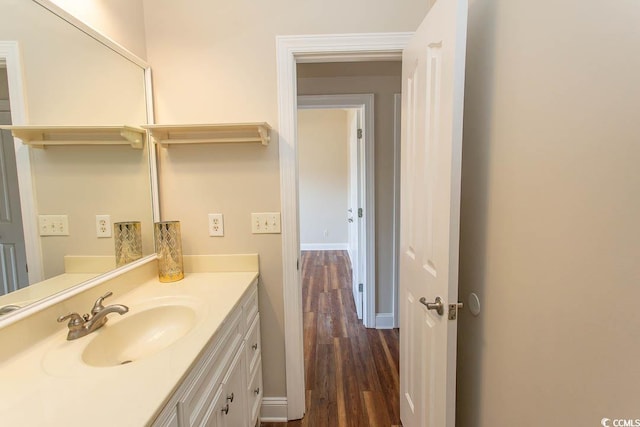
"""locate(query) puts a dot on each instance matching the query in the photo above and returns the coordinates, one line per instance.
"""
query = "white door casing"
(432, 93)
(289, 51)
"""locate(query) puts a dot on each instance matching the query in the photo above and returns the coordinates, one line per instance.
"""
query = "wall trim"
(324, 246)
(289, 51)
(385, 321)
(273, 410)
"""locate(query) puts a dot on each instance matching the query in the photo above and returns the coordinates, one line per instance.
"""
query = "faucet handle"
(97, 306)
(75, 319)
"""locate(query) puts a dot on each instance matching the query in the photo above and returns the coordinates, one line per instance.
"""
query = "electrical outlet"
(216, 225)
(53, 225)
(265, 223)
(103, 226)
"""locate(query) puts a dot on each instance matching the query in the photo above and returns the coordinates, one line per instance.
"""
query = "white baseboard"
(274, 410)
(324, 246)
(384, 321)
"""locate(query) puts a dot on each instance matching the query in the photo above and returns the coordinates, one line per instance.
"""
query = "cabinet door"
(234, 386)
(215, 414)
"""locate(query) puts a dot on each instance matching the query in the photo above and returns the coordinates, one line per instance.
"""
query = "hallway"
(351, 373)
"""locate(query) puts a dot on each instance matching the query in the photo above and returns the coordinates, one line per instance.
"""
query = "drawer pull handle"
(230, 398)
(257, 391)
(255, 346)
(226, 409)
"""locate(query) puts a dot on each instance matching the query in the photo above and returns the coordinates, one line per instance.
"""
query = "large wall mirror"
(63, 76)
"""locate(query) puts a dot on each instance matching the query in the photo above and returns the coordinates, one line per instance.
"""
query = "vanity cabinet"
(224, 387)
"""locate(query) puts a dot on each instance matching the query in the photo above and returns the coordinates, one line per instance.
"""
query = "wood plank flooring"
(351, 373)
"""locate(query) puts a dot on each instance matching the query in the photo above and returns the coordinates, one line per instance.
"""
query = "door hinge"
(360, 287)
(26, 266)
(453, 310)
(359, 212)
(359, 133)
(298, 264)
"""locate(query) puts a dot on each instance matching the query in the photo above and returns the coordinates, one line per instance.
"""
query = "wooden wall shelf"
(210, 133)
(41, 136)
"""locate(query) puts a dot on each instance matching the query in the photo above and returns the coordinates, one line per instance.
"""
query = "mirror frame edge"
(9, 51)
(58, 297)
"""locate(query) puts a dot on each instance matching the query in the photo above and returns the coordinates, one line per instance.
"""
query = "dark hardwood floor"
(351, 372)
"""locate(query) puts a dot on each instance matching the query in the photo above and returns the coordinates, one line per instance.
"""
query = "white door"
(432, 94)
(13, 258)
(352, 212)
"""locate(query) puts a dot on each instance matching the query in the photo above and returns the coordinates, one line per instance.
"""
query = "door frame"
(10, 56)
(365, 103)
(289, 51)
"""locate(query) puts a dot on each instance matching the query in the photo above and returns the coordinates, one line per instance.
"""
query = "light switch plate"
(53, 225)
(265, 223)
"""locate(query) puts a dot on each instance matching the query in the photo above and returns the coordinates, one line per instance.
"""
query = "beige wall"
(383, 80)
(215, 62)
(550, 236)
(82, 182)
(69, 77)
(120, 20)
(323, 176)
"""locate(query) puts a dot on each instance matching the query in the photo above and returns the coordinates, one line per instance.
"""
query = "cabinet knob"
(226, 409)
(257, 391)
(230, 398)
(255, 346)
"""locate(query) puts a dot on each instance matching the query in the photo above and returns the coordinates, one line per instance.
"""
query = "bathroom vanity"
(186, 353)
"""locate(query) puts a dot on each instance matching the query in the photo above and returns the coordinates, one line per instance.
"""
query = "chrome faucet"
(79, 326)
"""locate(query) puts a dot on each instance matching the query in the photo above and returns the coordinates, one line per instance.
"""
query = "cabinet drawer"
(250, 306)
(197, 397)
(253, 347)
(254, 393)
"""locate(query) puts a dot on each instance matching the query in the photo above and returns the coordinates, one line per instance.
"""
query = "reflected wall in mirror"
(67, 78)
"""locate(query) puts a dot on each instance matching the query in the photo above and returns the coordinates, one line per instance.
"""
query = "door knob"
(438, 306)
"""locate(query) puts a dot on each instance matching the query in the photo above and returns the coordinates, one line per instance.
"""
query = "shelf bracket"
(264, 135)
(135, 138)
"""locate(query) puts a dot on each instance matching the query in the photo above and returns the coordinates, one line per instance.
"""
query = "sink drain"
(125, 362)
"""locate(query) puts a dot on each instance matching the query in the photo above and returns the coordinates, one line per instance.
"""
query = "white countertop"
(32, 393)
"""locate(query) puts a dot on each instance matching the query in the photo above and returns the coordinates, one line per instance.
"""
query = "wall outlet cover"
(103, 226)
(216, 225)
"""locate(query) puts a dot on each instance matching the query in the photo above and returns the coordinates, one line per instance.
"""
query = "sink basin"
(139, 335)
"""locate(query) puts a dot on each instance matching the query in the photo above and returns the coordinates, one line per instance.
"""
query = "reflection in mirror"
(59, 204)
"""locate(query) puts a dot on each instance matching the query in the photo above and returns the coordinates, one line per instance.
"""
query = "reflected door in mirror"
(13, 262)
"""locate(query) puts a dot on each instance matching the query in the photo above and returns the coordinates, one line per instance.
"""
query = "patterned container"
(169, 250)
(128, 241)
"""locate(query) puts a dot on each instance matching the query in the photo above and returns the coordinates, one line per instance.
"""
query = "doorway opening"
(292, 51)
(335, 138)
